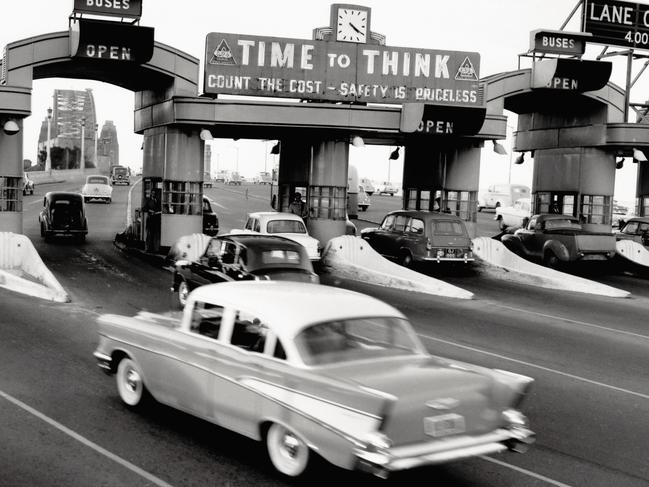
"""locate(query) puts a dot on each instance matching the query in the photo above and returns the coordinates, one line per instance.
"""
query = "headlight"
(377, 441)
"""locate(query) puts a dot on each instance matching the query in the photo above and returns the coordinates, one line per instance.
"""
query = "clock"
(351, 24)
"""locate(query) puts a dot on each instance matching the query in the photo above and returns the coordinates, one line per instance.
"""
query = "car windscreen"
(285, 226)
(97, 180)
(562, 223)
(449, 227)
(356, 339)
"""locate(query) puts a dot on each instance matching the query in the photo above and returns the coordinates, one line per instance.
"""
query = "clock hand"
(355, 28)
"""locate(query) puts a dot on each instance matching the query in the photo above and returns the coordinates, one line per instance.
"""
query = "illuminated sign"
(558, 42)
(339, 71)
(617, 23)
(571, 74)
(111, 41)
(114, 8)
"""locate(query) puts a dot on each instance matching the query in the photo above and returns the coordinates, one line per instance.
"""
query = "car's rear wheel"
(130, 384)
(287, 452)
(405, 259)
(551, 260)
(183, 292)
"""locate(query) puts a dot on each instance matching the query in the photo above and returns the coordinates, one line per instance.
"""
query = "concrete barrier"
(502, 263)
(23, 271)
(633, 251)
(353, 258)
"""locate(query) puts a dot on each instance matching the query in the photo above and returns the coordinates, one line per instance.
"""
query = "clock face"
(351, 25)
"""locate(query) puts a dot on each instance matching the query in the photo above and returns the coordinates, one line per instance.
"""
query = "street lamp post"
(82, 164)
(48, 156)
(94, 157)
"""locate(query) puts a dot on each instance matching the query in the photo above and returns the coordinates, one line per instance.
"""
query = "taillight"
(429, 244)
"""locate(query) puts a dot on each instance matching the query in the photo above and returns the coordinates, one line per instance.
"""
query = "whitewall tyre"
(287, 452)
(130, 385)
(183, 292)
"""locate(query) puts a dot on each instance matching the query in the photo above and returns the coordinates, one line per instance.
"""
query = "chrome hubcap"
(291, 445)
(183, 292)
(132, 380)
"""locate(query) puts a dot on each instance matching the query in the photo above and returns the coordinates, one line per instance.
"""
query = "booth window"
(642, 206)
(11, 189)
(461, 204)
(181, 198)
(328, 202)
(595, 208)
(424, 199)
(556, 203)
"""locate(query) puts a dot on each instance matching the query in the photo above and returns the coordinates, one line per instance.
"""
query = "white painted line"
(540, 367)
(125, 463)
(569, 320)
(217, 204)
(129, 218)
(524, 471)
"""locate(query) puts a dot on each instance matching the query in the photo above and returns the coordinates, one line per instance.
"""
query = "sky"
(497, 29)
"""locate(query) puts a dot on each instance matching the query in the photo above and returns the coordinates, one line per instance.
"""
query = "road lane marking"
(125, 463)
(524, 471)
(540, 367)
(570, 320)
(218, 204)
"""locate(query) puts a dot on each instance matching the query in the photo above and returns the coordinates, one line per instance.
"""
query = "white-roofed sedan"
(97, 187)
(307, 368)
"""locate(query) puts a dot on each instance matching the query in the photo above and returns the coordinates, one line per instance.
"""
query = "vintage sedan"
(243, 257)
(282, 224)
(63, 215)
(636, 229)
(516, 215)
(97, 187)
(421, 236)
(333, 372)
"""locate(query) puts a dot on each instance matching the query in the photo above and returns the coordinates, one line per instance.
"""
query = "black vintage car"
(210, 220)
(243, 257)
(63, 215)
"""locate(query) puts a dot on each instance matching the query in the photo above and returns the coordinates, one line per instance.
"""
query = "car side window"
(207, 208)
(388, 222)
(416, 226)
(249, 224)
(228, 253)
(532, 224)
(643, 227)
(213, 248)
(257, 227)
(631, 228)
(206, 319)
(279, 352)
(249, 333)
(400, 223)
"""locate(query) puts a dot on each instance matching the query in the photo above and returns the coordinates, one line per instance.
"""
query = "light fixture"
(275, 149)
(639, 156)
(499, 149)
(394, 155)
(357, 141)
(11, 127)
(520, 159)
(619, 164)
(206, 135)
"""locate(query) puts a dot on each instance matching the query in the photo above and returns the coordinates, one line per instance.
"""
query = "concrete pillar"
(642, 190)
(173, 170)
(327, 192)
(577, 178)
(11, 181)
(294, 159)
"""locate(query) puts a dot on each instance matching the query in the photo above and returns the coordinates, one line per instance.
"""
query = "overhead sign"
(571, 74)
(418, 118)
(114, 8)
(617, 23)
(558, 42)
(338, 71)
(112, 41)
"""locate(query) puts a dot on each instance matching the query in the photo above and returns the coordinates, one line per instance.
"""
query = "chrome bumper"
(104, 362)
(382, 462)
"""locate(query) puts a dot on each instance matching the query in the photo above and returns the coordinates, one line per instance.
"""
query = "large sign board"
(113, 8)
(617, 23)
(338, 71)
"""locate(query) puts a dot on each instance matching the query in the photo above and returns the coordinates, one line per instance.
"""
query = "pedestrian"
(297, 206)
(153, 221)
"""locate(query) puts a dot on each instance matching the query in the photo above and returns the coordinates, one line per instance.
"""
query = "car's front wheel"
(130, 384)
(183, 292)
(287, 452)
(405, 259)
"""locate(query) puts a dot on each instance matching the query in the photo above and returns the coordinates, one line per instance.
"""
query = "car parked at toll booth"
(408, 236)
(63, 215)
(308, 368)
(636, 229)
(556, 240)
(242, 257)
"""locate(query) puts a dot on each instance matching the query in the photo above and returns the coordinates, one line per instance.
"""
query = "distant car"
(636, 229)
(233, 179)
(63, 215)
(421, 236)
(282, 224)
(97, 187)
(364, 201)
(557, 240)
(387, 188)
(515, 215)
(243, 257)
(207, 180)
(367, 185)
(120, 175)
(210, 219)
(498, 195)
(314, 371)
(28, 184)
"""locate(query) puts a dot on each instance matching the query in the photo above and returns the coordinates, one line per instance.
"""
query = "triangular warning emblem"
(466, 72)
(222, 54)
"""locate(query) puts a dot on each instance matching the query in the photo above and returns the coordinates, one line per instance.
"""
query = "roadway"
(64, 424)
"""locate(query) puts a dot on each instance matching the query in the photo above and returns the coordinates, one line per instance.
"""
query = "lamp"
(638, 155)
(206, 135)
(275, 149)
(394, 155)
(11, 127)
(499, 149)
(520, 159)
(619, 164)
(357, 141)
